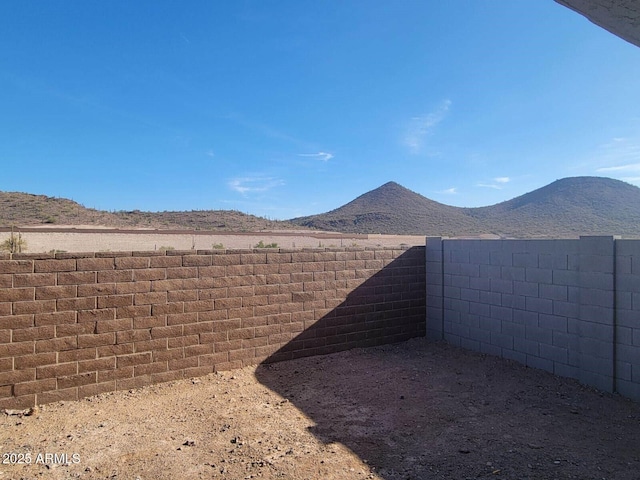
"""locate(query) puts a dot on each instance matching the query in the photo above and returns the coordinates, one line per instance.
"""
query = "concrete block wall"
(74, 325)
(565, 306)
(627, 322)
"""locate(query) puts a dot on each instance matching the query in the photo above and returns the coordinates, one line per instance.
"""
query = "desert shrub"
(217, 246)
(261, 244)
(14, 244)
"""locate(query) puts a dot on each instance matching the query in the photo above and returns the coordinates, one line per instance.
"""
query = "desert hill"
(565, 208)
(570, 206)
(23, 209)
(393, 208)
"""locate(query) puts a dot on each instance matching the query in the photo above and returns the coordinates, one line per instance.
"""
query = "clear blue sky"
(284, 108)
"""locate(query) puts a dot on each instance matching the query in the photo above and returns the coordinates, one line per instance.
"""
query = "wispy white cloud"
(268, 131)
(619, 155)
(421, 126)
(497, 183)
(323, 156)
(210, 153)
(630, 167)
(244, 185)
(82, 100)
(449, 191)
(633, 180)
(489, 185)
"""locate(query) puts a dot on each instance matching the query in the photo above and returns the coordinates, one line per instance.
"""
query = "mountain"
(24, 209)
(393, 208)
(565, 208)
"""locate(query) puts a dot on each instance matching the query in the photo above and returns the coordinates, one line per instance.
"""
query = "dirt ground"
(77, 240)
(414, 410)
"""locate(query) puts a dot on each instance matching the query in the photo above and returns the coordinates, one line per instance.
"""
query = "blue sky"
(283, 108)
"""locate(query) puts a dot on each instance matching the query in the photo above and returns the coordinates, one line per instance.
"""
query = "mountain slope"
(22, 209)
(565, 208)
(394, 209)
(570, 206)
(27, 209)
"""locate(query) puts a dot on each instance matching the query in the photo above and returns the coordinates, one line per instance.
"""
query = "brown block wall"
(74, 325)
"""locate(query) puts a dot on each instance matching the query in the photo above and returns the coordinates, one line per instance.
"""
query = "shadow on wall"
(388, 307)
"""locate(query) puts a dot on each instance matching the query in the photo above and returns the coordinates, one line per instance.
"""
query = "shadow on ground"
(419, 410)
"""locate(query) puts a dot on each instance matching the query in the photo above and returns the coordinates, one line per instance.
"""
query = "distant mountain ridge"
(392, 208)
(24, 209)
(568, 207)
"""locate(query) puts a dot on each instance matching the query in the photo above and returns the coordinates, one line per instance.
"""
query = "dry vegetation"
(566, 208)
(25, 209)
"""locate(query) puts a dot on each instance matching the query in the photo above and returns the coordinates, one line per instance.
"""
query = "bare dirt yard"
(414, 410)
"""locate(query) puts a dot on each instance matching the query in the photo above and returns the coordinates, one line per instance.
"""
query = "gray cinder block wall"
(627, 319)
(571, 307)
